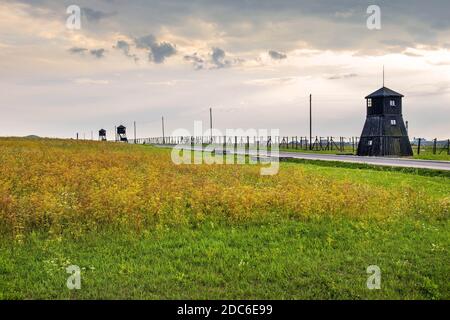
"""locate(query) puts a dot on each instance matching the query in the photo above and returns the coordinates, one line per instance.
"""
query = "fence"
(435, 146)
(339, 144)
(331, 144)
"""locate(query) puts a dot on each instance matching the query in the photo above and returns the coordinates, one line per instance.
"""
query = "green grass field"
(140, 227)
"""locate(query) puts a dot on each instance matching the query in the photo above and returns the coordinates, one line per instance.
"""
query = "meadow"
(141, 227)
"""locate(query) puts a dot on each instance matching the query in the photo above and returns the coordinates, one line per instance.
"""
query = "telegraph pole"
(134, 132)
(310, 122)
(164, 139)
(211, 124)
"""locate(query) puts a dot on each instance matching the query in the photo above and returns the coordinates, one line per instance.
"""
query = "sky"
(254, 62)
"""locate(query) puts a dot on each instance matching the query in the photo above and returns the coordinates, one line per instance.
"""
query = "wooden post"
(211, 124)
(163, 133)
(134, 124)
(353, 144)
(434, 145)
(310, 121)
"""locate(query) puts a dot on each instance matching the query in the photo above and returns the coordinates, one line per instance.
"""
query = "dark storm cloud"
(277, 55)
(157, 51)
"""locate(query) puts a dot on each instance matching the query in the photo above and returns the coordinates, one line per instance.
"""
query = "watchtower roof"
(384, 92)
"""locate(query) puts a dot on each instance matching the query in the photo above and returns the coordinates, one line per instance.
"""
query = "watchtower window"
(369, 142)
(392, 103)
(369, 102)
(393, 122)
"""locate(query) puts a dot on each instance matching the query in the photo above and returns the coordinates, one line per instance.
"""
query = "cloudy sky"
(253, 61)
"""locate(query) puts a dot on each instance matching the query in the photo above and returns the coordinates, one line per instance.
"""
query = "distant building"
(122, 133)
(102, 135)
(384, 133)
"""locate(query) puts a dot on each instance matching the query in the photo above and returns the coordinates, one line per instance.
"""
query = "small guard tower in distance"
(102, 135)
(384, 133)
(122, 133)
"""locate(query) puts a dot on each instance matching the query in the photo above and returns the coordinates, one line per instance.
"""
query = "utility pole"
(134, 132)
(310, 122)
(77, 135)
(164, 138)
(211, 124)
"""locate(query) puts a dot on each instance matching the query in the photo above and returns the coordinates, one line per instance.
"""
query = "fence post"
(353, 144)
(434, 145)
(418, 146)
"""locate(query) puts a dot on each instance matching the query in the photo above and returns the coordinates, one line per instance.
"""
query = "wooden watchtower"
(122, 133)
(102, 135)
(384, 133)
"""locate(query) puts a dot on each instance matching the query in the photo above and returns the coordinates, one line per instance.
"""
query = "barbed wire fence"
(338, 144)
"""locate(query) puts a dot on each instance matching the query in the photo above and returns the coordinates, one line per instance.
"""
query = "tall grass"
(66, 186)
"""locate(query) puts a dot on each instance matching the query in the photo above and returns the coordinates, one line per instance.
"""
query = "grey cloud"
(98, 53)
(289, 24)
(412, 54)
(342, 76)
(196, 60)
(158, 52)
(162, 51)
(277, 55)
(93, 15)
(218, 58)
(124, 46)
(77, 50)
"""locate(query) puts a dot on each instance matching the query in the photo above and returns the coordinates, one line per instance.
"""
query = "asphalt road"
(380, 161)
